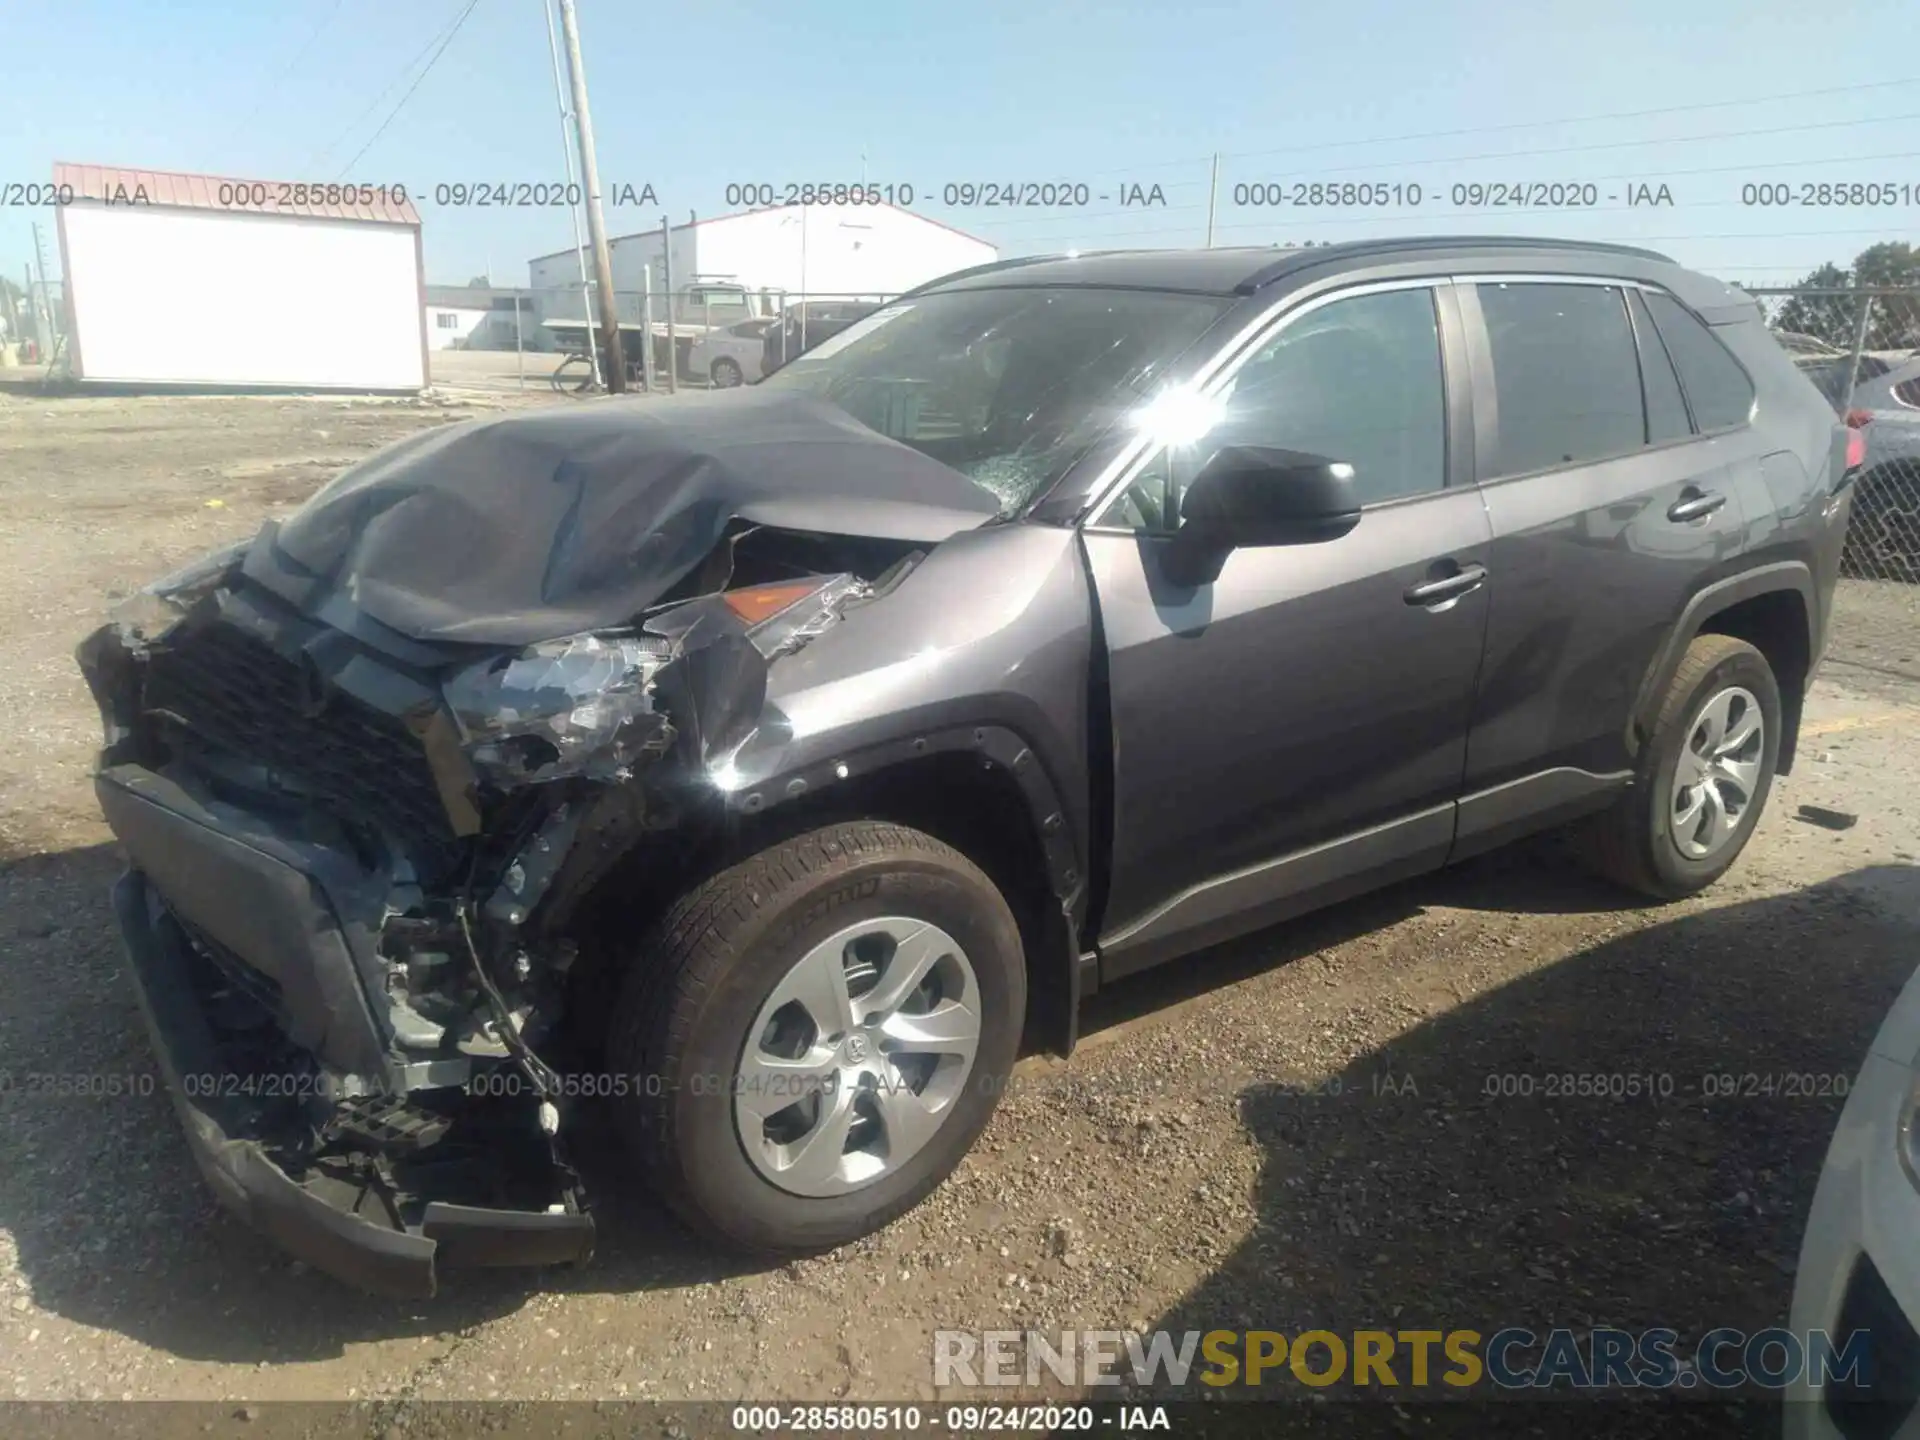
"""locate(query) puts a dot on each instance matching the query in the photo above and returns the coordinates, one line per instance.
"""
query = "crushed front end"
(340, 841)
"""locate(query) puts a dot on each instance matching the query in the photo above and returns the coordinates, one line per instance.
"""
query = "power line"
(373, 105)
(1582, 120)
(1359, 214)
(1620, 144)
(1778, 97)
(400, 104)
(1405, 165)
(298, 55)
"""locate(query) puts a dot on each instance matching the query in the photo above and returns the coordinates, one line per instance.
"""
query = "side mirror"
(1256, 495)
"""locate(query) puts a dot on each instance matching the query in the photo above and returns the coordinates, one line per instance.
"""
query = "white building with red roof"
(186, 280)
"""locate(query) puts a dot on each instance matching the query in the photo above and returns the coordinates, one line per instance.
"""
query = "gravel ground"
(1303, 1129)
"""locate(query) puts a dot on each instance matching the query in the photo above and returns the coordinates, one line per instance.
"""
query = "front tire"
(725, 373)
(1703, 778)
(814, 1037)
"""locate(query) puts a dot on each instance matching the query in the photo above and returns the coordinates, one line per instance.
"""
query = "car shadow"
(113, 1227)
(1539, 875)
(1435, 1183)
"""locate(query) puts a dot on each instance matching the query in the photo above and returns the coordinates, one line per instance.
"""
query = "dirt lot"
(1192, 1166)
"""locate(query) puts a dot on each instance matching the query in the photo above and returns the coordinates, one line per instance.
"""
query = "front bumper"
(254, 1124)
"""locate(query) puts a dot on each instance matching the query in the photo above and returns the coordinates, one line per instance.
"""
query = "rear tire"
(691, 1028)
(725, 373)
(1666, 835)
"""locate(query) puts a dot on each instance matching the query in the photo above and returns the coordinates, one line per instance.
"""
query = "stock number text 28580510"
(766, 194)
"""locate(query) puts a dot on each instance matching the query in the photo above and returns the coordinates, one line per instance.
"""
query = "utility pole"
(666, 279)
(651, 381)
(573, 211)
(1213, 195)
(596, 224)
(45, 334)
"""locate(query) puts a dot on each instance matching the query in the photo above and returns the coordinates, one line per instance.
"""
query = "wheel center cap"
(857, 1049)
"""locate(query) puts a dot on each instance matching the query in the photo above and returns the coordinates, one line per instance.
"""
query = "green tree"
(1896, 318)
(1892, 262)
(1834, 318)
(1825, 317)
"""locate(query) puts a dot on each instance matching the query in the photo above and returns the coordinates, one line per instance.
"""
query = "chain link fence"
(703, 335)
(1861, 347)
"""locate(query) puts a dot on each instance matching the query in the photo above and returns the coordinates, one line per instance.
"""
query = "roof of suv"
(1243, 269)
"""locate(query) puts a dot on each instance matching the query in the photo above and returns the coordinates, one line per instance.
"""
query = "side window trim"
(1235, 355)
(1486, 415)
(1753, 390)
(1647, 341)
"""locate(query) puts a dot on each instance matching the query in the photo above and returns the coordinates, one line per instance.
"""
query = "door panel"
(1592, 574)
(1595, 560)
(1298, 700)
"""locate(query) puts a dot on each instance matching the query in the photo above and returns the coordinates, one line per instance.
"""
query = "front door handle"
(1463, 581)
(1695, 504)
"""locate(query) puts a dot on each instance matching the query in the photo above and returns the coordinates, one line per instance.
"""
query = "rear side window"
(1565, 373)
(1666, 410)
(1718, 391)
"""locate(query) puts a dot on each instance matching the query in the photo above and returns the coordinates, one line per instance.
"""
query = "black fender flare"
(997, 745)
(1781, 575)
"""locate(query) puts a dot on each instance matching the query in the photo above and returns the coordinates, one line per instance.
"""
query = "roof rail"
(1301, 258)
(987, 269)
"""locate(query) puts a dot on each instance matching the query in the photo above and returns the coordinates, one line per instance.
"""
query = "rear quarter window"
(1717, 388)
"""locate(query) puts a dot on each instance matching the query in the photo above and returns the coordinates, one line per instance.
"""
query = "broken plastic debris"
(150, 613)
(577, 706)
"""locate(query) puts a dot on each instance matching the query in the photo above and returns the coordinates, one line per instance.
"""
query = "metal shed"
(204, 280)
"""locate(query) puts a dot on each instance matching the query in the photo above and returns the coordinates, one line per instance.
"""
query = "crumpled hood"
(508, 531)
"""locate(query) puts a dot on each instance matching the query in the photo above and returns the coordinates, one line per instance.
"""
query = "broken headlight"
(779, 624)
(581, 705)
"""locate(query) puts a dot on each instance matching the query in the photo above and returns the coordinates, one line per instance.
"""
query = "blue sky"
(692, 98)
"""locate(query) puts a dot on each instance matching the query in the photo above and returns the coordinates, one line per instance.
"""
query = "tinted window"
(1566, 378)
(1717, 388)
(1666, 411)
(1358, 380)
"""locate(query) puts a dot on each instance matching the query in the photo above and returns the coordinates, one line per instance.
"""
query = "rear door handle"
(1463, 581)
(1695, 504)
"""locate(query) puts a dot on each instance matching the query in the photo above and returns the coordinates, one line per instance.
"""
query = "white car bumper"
(1865, 1221)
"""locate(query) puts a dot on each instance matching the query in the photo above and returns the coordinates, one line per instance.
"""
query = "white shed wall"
(196, 297)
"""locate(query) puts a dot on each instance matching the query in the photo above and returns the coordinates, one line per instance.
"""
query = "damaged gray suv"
(756, 770)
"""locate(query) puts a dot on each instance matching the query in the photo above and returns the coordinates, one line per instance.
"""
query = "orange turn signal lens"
(763, 602)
